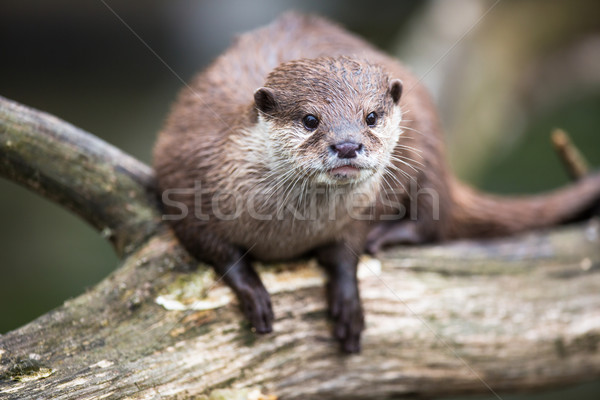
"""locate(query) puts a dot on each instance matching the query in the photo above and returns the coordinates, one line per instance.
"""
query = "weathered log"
(469, 317)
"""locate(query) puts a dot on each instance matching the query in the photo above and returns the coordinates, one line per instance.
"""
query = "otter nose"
(346, 149)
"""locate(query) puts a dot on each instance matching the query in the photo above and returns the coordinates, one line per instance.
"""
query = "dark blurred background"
(503, 73)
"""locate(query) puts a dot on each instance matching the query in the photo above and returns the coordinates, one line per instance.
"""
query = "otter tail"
(477, 214)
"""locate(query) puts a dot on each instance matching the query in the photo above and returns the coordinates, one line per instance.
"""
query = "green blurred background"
(523, 69)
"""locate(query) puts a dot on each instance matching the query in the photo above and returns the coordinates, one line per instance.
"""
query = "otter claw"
(256, 306)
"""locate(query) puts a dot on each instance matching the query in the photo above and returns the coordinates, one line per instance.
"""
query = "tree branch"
(507, 315)
(571, 157)
(106, 187)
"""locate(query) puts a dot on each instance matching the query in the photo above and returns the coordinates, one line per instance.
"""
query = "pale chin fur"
(325, 178)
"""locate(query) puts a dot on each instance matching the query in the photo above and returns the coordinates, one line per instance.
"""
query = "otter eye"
(371, 119)
(310, 122)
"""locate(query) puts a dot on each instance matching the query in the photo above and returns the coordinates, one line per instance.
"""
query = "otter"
(304, 140)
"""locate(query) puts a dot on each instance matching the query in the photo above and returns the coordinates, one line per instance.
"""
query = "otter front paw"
(346, 311)
(255, 303)
(254, 299)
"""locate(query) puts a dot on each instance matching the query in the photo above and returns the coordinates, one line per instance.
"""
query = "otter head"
(335, 121)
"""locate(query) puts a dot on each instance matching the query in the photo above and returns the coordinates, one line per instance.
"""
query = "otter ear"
(396, 89)
(264, 98)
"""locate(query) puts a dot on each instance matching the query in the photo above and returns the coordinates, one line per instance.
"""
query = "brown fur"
(311, 66)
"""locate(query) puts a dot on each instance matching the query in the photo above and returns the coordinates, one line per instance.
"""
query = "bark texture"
(514, 314)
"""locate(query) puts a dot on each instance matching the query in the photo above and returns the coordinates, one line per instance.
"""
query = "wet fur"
(220, 135)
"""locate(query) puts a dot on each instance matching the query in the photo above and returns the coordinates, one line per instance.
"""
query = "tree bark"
(513, 314)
